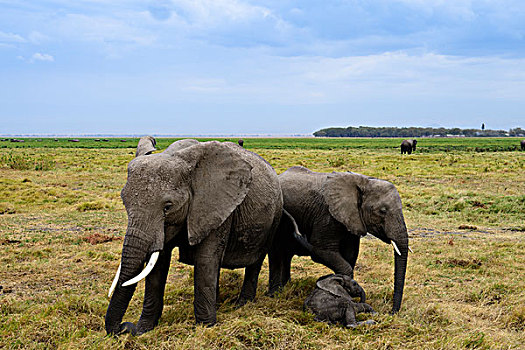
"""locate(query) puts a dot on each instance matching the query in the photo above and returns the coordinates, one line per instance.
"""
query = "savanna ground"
(62, 224)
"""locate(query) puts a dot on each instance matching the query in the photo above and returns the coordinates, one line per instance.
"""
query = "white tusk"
(395, 247)
(150, 265)
(411, 251)
(115, 280)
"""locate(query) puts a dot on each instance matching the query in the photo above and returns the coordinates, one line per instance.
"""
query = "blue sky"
(210, 67)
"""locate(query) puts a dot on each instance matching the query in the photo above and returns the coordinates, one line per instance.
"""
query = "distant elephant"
(219, 203)
(408, 146)
(522, 145)
(332, 212)
(241, 142)
(331, 301)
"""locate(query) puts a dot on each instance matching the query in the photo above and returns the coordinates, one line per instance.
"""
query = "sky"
(274, 67)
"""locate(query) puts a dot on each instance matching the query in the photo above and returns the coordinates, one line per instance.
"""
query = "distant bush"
(367, 131)
(24, 162)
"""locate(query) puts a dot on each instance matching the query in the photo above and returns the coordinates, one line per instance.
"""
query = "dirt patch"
(8, 241)
(467, 227)
(98, 238)
(474, 263)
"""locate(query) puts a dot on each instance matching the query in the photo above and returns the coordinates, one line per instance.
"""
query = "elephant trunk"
(399, 273)
(135, 250)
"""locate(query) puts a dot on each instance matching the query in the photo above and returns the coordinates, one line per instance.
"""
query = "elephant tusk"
(395, 247)
(411, 251)
(115, 280)
(145, 272)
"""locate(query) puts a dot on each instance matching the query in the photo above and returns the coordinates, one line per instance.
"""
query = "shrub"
(88, 206)
(24, 162)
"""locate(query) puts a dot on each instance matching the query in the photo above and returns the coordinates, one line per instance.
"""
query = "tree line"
(368, 131)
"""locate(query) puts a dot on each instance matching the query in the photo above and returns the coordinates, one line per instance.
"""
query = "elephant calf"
(331, 301)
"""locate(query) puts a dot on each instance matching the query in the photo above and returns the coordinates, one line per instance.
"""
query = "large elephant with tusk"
(219, 203)
(332, 211)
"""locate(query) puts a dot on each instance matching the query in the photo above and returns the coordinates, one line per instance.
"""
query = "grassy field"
(62, 224)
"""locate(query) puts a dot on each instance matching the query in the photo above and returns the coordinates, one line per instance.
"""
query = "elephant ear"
(220, 181)
(333, 285)
(146, 146)
(343, 195)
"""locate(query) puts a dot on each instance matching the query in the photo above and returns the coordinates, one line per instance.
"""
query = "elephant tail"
(299, 238)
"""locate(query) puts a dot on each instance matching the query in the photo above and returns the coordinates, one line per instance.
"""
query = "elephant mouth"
(147, 270)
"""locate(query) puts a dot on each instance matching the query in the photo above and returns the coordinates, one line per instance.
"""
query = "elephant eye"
(167, 207)
(383, 210)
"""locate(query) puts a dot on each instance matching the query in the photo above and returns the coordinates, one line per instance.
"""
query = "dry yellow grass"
(61, 230)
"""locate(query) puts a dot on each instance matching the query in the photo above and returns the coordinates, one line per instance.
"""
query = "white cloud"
(42, 57)
(11, 38)
(213, 11)
(38, 38)
(103, 30)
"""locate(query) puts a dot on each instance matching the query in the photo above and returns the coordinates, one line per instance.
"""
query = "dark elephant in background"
(522, 143)
(332, 300)
(219, 203)
(408, 146)
(332, 212)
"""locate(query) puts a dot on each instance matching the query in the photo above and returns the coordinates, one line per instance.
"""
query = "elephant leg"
(274, 261)
(364, 307)
(349, 317)
(334, 261)
(217, 294)
(350, 250)
(208, 258)
(249, 286)
(154, 294)
(280, 266)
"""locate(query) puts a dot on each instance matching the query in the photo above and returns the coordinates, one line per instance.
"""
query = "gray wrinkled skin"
(333, 211)
(408, 146)
(332, 301)
(219, 203)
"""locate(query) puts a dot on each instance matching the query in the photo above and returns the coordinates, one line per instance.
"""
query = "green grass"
(61, 232)
(425, 145)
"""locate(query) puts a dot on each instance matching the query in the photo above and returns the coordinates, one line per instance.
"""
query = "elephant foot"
(143, 327)
(127, 327)
(207, 324)
(273, 290)
(241, 301)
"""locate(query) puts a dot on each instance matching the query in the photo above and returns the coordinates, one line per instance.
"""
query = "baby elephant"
(331, 301)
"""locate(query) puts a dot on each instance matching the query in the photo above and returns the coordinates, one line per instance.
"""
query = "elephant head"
(342, 286)
(365, 204)
(168, 195)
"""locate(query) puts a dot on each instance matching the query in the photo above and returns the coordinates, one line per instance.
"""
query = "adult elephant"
(522, 145)
(408, 146)
(333, 211)
(219, 203)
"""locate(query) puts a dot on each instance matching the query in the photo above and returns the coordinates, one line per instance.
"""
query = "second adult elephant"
(219, 203)
(333, 211)
(408, 146)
